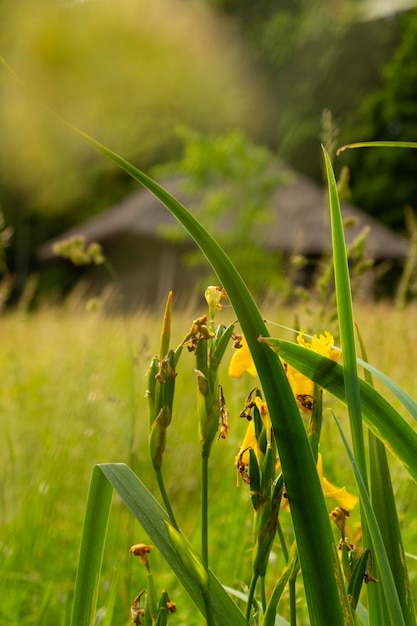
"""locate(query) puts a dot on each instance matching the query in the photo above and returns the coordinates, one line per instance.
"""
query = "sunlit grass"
(73, 388)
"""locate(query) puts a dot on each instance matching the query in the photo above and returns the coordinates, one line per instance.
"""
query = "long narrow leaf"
(91, 551)
(379, 415)
(347, 339)
(378, 144)
(379, 554)
(345, 316)
(403, 397)
(383, 502)
(151, 516)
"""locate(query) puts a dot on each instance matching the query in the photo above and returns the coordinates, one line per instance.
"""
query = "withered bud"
(237, 341)
(249, 404)
(246, 411)
(171, 606)
(224, 416)
(142, 550)
(368, 578)
(344, 541)
(339, 515)
(165, 371)
(136, 612)
(242, 470)
(199, 330)
(306, 401)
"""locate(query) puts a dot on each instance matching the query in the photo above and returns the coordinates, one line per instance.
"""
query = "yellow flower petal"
(242, 361)
(343, 497)
(263, 410)
(322, 344)
(248, 442)
(300, 384)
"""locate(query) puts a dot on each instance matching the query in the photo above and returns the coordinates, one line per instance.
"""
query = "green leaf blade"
(345, 316)
(379, 552)
(152, 517)
(379, 415)
(91, 551)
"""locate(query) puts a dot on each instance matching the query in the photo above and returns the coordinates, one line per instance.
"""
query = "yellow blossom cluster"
(303, 389)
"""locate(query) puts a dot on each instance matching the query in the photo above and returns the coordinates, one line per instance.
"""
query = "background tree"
(316, 56)
(384, 181)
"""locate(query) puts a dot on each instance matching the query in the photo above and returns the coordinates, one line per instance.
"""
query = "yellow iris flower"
(242, 361)
(302, 386)
(340, 494)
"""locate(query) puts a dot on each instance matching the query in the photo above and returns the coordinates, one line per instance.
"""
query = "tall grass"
(73, 395)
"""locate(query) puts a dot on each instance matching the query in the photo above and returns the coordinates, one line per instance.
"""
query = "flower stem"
(251, 594)
(282, 541)
(165, 498)
(293, 604)
(204, 508)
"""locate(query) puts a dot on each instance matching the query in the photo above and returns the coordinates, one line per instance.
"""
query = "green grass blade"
(357, 580)
(379, 415)
(380, 498)
(378, 144)
(347, 339)
(383, 502)
(91, 551)
(152, 517)
(289, 570)
(402, 396)
(345, 316)
(379, 553)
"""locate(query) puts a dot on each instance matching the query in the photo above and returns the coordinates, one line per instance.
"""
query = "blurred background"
(286, 75)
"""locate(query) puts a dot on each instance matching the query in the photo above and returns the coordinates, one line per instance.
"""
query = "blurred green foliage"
(124, 71)
(315, 58)
(384, 181)
(233, 181)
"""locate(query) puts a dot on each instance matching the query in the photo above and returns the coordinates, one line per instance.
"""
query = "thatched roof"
(300, 221)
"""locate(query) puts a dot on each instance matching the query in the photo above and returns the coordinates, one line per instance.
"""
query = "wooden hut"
(148, 263)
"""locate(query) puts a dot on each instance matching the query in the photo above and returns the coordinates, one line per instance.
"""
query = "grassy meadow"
(73, 395)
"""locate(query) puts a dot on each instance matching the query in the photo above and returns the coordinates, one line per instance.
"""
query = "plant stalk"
(165, 497)
(204, 508)
(251, 594)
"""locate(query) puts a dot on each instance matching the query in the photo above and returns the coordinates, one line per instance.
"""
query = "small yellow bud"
(339, 515)
(142, 550)
(214, 295)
